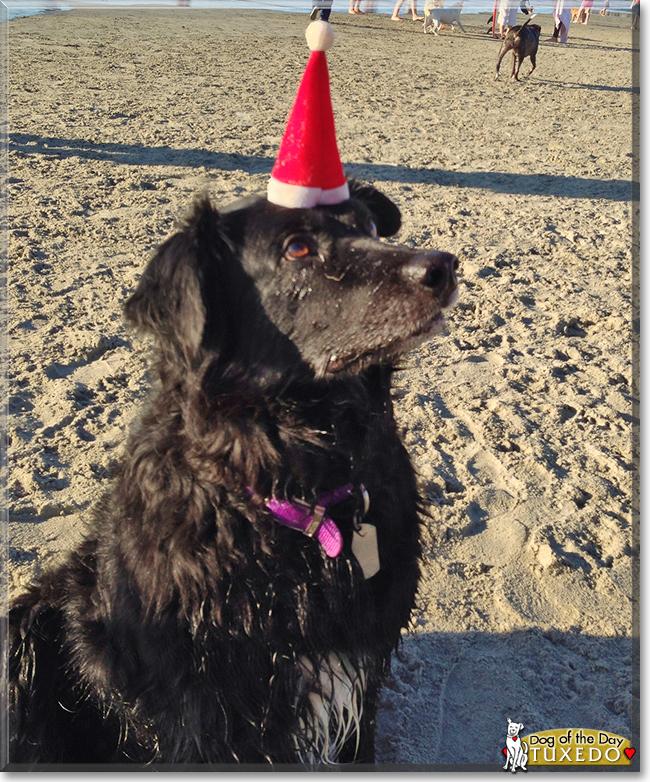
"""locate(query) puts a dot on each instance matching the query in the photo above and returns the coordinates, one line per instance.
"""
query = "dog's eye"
(372, 228)
(295, 249)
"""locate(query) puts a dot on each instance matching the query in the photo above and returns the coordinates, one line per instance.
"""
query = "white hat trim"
(335, 196)
(301, 197)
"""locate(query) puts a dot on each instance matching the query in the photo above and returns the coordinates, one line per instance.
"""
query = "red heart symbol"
(505, 751)
(629, 752)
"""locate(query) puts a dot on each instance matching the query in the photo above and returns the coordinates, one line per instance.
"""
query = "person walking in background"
(414, 11)
(562, 17)
(507, 15)
(355, 7)
(585, 11)
(322, 7)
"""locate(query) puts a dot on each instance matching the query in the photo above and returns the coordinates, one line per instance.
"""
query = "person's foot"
(397, 19)
(314, 13)
(418, 18)
(550, 40)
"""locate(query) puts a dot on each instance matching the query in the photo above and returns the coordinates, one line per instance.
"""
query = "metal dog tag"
(364, 548)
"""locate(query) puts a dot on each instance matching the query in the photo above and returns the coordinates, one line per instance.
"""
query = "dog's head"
(514, 727)
(269, 291)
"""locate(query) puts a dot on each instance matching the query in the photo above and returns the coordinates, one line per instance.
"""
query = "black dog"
(195, 625)
(523, 40)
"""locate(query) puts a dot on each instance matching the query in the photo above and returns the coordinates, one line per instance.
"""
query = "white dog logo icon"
(516, 750)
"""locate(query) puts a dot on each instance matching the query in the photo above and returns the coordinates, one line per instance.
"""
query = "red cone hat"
(308, 170)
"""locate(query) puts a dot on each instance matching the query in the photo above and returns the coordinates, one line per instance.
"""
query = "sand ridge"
(519, 420)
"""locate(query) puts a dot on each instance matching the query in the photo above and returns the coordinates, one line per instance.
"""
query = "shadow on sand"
(495, 181)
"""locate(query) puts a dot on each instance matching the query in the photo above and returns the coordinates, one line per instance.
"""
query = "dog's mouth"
(394, 348)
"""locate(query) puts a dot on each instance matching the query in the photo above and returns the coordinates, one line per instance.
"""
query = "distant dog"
(523, 41)
(516, 755)
(435, 18)
(249, 573)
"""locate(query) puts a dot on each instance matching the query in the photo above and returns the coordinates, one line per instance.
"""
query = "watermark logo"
(578, 747)
(515, 750)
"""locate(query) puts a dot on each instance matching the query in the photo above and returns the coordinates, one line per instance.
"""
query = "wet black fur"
(173, 634)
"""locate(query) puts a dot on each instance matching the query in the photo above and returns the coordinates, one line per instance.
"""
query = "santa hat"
(308, 170)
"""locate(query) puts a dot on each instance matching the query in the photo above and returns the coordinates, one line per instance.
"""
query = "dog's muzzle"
(435, 270)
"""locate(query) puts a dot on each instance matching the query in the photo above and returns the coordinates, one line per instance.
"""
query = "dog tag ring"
(366, 498)
(359, 514)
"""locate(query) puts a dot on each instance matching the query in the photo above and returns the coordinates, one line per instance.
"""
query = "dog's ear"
(387, 216)
(167, 302)
(190, 295)
(187, 271)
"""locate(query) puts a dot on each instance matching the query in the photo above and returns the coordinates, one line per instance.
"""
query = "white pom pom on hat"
(308, 170)
(320, 36)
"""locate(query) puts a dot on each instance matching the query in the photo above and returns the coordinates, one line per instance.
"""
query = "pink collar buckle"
(311, 519)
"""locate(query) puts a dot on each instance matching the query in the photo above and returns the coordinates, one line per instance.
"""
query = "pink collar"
(311, 519)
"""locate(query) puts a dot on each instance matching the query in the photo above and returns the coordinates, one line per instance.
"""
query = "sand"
(519, 420)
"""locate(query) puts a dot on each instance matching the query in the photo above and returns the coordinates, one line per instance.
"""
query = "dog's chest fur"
(263, 604)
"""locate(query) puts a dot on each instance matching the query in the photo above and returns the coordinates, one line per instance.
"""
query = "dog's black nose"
(435, 270)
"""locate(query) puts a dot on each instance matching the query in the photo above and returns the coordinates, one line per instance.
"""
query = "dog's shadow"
(574, 85)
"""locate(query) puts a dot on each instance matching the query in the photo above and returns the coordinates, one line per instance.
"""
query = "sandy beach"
(520, 420)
